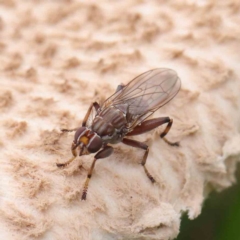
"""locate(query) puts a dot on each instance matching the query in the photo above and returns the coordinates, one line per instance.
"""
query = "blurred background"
(220, 217)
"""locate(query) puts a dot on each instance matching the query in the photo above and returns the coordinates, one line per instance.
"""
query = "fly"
(124, 114)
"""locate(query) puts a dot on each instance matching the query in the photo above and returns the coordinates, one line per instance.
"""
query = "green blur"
(220, 217)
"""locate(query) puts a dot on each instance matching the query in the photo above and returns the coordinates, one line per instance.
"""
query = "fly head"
(87, 141)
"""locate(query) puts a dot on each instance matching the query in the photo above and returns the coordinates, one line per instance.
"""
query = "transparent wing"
(92, 115)
(145, 94)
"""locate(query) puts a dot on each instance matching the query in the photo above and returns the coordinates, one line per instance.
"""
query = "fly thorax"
(102, 127)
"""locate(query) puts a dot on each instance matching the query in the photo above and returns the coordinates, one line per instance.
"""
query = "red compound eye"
(94, 144)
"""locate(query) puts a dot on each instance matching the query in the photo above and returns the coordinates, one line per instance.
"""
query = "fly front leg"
(145, 147)
(149, 125)
(74, 153)
(120, 87)
(68, 130)
(105, 152)
(66, 163)
(96, 106)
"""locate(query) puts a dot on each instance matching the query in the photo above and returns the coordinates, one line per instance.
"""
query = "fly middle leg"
(145, 147)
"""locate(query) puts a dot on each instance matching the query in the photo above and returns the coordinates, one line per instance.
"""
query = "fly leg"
(66, 163)
(164, 133)
(96, 106)
(105, 152)
(143, 146)
(74, 153)
(68, 130)
(154, 123)
(120, 87)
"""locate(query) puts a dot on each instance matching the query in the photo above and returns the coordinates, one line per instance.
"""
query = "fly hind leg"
(164, 133)
(149, 125)
(145, 147)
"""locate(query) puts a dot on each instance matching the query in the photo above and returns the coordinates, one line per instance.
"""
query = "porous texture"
(56, 57)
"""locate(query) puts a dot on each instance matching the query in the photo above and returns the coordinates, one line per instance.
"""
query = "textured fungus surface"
(56, 57)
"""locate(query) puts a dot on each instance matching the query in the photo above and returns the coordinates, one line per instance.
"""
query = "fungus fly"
(124, 114)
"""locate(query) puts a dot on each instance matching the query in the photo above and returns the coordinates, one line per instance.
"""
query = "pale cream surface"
(56, 57)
